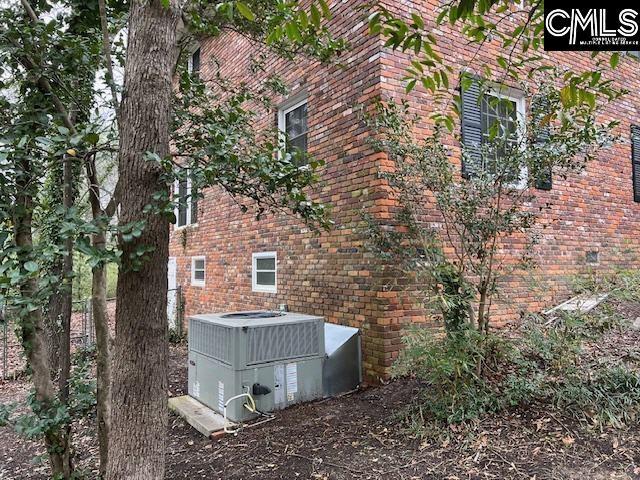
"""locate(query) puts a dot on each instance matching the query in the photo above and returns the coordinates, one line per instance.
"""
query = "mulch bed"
(363, 436)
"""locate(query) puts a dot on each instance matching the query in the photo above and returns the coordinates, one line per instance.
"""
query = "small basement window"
(198, 271)
(592, 257)
(264, 270)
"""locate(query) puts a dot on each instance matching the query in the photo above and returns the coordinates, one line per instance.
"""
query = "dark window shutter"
(471, 126)
(195, 63)
(194, 202)
(544, 179)
(543, 175)
(182, 202)
(635, 161)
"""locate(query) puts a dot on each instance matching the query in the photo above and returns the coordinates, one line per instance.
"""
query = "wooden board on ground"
(580, 304)
(199, 416)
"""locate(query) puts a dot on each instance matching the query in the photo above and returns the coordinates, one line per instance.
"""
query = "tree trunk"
(52, 326)
(33, 334)
(52, 319)
(103, 367)
(66, 310)
(101, 320)
(139, 389)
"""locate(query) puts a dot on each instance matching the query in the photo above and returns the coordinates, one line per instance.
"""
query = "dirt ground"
(362, 436)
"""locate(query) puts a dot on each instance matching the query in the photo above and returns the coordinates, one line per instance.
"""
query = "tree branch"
(45, 87)
(106, 48)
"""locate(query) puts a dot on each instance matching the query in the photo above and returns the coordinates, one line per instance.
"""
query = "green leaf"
(31, 266)
(325, 9)
(293, 32)
(614, 60)
(245, 11)
(92, 138)
(417, 20)
(315, 16)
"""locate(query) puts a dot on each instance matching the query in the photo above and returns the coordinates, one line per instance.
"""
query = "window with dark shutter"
(194, 203)
(489, 116)
(471, 125)
(635, 161)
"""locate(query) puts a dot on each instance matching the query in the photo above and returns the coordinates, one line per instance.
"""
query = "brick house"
(226, 260)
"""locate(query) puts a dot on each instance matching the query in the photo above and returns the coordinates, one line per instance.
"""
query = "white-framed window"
(503, 116)
(186, 210)
(198, 271)
(264, 271)
(292, 122)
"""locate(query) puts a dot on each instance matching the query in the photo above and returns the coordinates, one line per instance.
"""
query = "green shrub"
(610, 395)
(623, 284)
(469, 374)
(455, 369)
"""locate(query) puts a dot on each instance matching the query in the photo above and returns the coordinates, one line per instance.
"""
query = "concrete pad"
(199, 416)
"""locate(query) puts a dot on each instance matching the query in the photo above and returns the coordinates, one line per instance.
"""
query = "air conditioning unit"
(278, 358)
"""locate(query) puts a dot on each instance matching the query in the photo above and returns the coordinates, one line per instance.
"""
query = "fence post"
(4, 321)
(180, 310)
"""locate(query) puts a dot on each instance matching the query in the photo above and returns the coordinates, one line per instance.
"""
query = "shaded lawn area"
(364, 436)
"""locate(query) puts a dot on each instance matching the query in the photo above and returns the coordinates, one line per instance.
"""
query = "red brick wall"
(590, 211)
(327, 274)
(330, 274)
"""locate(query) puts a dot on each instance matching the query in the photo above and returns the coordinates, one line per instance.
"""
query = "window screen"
(296, 127)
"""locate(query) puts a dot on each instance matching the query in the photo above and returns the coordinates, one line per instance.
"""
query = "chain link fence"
(83, 332)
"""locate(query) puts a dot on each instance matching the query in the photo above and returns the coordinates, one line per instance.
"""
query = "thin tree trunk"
(33, 334)
(101, 320)
(51, 325)
(66, 310)
(139, 390)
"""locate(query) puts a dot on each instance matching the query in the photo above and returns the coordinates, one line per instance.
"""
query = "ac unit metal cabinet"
(230, 353)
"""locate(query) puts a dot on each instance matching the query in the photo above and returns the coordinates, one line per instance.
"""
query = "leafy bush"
(623, 284)
(452, 367)
(611, 395)
(44, 418)
(469, 374)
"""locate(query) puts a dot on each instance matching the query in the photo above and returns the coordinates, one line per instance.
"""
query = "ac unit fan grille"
(211, 340)
(278, 342)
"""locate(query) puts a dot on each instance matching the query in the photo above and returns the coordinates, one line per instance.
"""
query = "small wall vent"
(592, 258)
